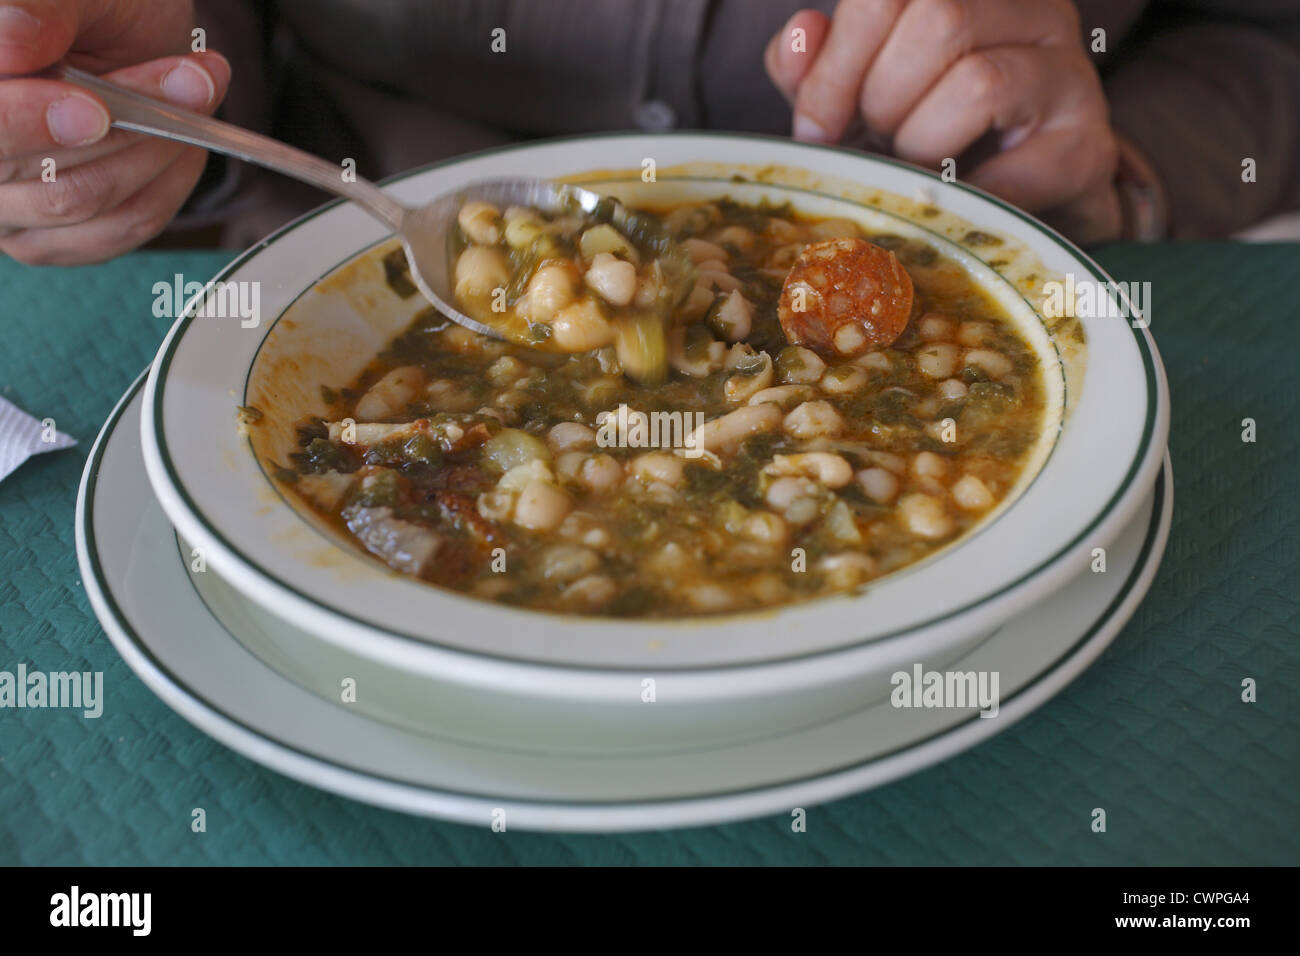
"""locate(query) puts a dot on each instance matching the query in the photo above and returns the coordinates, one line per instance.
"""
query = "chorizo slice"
(844, 297)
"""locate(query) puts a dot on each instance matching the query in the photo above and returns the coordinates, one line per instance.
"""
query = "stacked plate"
(257, 623)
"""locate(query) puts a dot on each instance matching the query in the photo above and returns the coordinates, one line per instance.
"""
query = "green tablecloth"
(1155, 731)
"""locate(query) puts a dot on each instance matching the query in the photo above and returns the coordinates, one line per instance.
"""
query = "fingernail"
(808, 130)
(188, 85)
(18, 27)
(76, 119)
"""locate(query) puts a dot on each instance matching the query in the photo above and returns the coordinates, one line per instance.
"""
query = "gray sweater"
(1198, 85)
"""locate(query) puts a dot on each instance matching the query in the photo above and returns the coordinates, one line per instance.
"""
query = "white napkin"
(22, 436)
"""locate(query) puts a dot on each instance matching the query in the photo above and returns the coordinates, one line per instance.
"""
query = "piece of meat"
(403, 545)
(462, 512)
(327, 489)
(844, 297)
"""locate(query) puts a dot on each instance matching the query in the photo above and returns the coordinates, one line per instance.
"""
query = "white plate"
(140, 587)
(214, 491)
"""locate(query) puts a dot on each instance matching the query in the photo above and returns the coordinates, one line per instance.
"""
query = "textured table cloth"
(1155, 732)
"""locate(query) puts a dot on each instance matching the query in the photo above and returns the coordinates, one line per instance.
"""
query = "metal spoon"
(426, 231)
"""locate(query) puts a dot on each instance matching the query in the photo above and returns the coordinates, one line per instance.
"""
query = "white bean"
(938, 360)
(972, 494)
(479, 271)
(390, 394)
(925, 516)
(763, 526)
(831, 470)
(844, 380)
(846, 570)
(551, 288)
(973, 334)
(702, 251)
(479, 220)
(567, 436)
(734, 318)
(888, 460)
(594, 590)
(812, 420)
(784, 492)
(726, 433)
(799, 365)
(659, 466)
(718, 279)
(953, 388)
(541, 506)
(879, 485)
(783, 395)
(567, 562)
(877, 361)
(929, 465)
(700, 360)
(744, 385)
(613, 279)
(995, 364)
(602, 473)
(935, 327)
(580, 328)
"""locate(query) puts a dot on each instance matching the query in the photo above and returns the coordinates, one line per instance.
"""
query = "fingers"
(85, 190)
(103, 34)
(38, 116)
(1050, 166)
(131, 224)
(35, 33)
(932, 35)
(827, 99)
(998, 88)
(790, 54)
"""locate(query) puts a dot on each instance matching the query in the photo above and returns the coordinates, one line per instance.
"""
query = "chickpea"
(479, 221)
(479, 271)
(612, 278)
(814, 419)
(580, 328)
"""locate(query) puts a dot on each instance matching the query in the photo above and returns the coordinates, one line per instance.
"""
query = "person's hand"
(935, 76)
(112, 190)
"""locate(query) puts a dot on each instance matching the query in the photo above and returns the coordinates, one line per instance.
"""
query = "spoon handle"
(132, 111)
